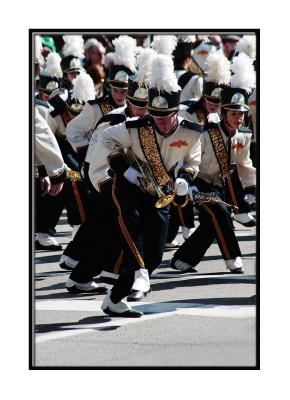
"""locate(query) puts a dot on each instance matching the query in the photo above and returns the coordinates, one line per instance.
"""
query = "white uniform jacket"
(193, 88)
(91, 153)
(240, 154)
(183, 143)
(47, 151)
(79, 130)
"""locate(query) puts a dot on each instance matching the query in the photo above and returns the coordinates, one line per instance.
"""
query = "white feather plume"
(53, 65)
(218, 68)
(164, 44)
(83, 88)
(188, 38)
(247, 44)
(144, 63)
(139, 50)
(73, 46)
(161, 75)
(125, 52)
(244, 74)
(108, 60)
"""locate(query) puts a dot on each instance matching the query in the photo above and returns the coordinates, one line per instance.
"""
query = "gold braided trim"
(220, 151)
(152, 155)
(105, 106)
(144, 100)
(163, 109)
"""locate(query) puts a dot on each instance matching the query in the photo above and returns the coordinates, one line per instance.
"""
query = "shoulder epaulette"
(244, 129)
(38, 102)
(138, 123)
(114, 119)
(98, 100)
(58, 104)
(194, 106)
(193, 126)
(185, 78)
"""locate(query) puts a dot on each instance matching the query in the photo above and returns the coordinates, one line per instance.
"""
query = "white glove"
(181, 186)
(192, 192)
(250, 198)
(132, 175)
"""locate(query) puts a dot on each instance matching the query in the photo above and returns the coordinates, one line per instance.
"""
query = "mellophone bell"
(148, 182)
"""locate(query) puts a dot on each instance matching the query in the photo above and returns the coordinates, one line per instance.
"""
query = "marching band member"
(93, 238)
(191, 83)
(225, 151)
(156, 143)
(51, 175)
(80, 130)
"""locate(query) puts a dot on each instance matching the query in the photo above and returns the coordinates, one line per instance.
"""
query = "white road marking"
(156, 310)
(195, 275)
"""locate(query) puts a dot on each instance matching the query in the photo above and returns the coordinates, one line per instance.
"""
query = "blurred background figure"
(94, 60)
(229, 45)
(48, 46)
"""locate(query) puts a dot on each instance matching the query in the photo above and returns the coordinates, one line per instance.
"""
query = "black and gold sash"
(220, 151)
(232, 185)
(152, 154)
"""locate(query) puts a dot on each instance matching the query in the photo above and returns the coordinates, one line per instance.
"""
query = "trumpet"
(201, 197)
(148, 183)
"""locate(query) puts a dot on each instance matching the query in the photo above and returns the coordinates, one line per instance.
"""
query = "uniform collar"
(225, 130)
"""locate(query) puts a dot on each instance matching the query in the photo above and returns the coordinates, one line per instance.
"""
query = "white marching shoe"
(186, 232)
(172, 245)
(43, 241)
(235, 265)
(88, 287)
(245, 219)
(120, 309)
(67, 262)
(182, 266)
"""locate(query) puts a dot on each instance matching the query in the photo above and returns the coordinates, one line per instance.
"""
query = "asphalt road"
(204, 319)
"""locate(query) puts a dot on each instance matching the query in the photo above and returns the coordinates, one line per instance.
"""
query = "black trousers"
(215, 223)
(143, 230)
(234, 192)
(97, 244)
(73, 197)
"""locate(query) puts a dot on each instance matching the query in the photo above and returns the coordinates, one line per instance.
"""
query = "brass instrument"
(201, 197)
(73, 175)
(148, 183)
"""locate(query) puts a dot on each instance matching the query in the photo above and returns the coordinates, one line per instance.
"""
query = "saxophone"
(201, 197)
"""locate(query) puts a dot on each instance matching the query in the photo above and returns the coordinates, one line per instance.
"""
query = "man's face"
(165, 124)
(228, 47)
(137, 111)
(211, 107)
(119, 96)
(71, 76)
(234, 118)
